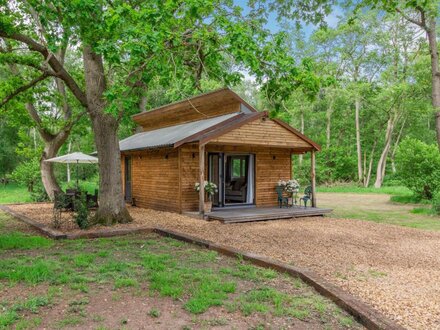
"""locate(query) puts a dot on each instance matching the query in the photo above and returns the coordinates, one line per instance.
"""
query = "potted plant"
(210, 190)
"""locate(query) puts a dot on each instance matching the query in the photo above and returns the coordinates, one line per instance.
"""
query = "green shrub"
(436, 203)
(81, 212)
(418, 167)
(27, 174)
(38, 193)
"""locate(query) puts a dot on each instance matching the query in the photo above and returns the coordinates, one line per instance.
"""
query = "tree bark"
(370, 166)
(435, 74)
(396, 145)
(52, 144)
(381, 164)
(51, 148)
(329, 123)
(358, 138)
(69, 149)
(301, 157)
(112, 207)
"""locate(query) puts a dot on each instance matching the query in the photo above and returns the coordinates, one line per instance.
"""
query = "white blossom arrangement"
(210, 187)
(290, 186)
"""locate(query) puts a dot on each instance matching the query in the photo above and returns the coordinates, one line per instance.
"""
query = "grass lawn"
(12, 193)
(128, 282)
(392, 190)
(378, 208)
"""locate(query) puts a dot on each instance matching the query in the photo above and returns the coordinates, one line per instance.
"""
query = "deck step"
(264, 214)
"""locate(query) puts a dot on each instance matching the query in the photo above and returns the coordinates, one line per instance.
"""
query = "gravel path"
(392, 268)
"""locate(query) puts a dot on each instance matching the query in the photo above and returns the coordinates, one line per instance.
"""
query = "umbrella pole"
(77, 185)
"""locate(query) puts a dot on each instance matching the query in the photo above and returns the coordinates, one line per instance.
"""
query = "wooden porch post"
(202, 180)
(313, 177)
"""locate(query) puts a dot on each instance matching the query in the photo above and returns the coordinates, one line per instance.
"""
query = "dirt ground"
(131, 282)
(393, 268)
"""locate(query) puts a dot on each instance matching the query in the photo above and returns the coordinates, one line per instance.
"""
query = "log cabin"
(218, 137)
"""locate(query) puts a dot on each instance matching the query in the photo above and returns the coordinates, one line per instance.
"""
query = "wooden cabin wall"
(155, 179)
(272, 165)
(263, 132)
(123, 174)
(186, 115)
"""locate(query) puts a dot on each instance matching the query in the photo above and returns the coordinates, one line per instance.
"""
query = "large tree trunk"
(51, 148)
(358, 137)
(52, 143)
(435, 74)
(112, 207)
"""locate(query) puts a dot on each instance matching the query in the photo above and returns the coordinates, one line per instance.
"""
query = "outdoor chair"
(282, 200)
(307, 196)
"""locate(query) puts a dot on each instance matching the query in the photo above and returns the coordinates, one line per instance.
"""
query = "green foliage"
(418, 166)
(27, 174)
(8, 157)
(81, 211)
(38, 193)
(436, 203)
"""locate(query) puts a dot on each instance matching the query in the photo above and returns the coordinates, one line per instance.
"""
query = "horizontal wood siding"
(272, 164)
(156, 182)
(188, 115)
(123, 174)
(263, 132)
(155, 179)
(189, 172)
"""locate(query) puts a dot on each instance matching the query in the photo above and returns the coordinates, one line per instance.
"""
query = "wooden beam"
(202, 180)
(313, 177)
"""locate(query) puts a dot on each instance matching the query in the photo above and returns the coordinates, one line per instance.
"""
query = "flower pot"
(208, 206)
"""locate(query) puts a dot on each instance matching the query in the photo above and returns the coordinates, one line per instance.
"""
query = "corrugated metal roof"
(167, 136)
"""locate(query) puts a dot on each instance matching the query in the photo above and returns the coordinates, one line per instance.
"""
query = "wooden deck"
(233, 215)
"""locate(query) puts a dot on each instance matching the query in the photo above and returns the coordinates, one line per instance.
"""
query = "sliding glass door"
(234, 174)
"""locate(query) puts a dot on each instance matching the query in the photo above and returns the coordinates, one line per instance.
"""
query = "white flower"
(210, 187)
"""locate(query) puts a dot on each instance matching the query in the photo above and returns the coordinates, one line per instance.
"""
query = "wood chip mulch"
(394, 269)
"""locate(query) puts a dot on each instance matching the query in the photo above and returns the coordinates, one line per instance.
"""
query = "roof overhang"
(222, 96)
(224, 127)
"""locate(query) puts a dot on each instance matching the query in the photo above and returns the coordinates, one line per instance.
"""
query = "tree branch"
(23, 88)
(412, 20)
(45, 134)
(56, 66)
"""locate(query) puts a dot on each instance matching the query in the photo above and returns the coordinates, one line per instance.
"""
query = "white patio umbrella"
(74, 158)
